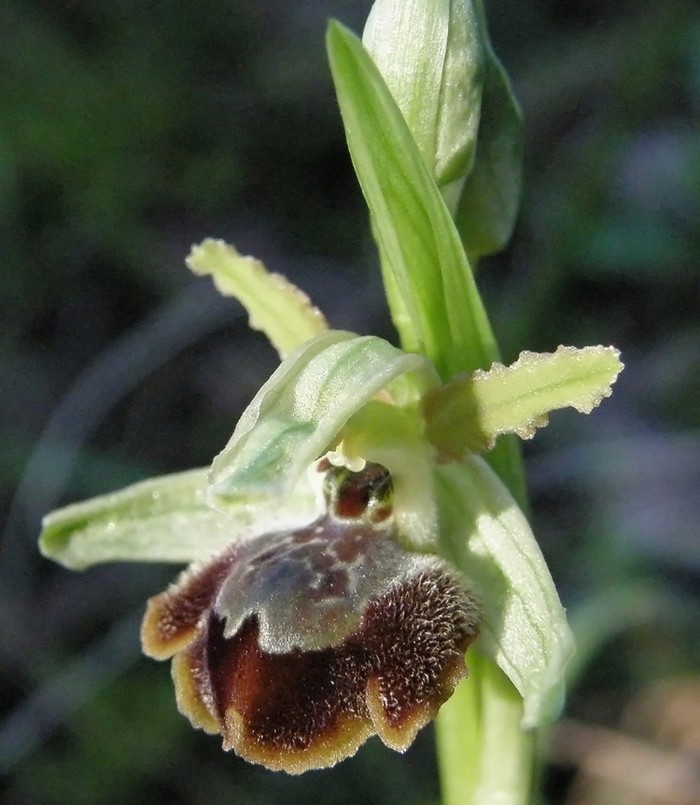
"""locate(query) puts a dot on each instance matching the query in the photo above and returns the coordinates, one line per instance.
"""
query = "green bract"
(455, 96)
(432, 59)
(488, 200)
(423, 261)
(430, 288)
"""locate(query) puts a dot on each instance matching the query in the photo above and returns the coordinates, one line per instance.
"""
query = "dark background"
(130, 130)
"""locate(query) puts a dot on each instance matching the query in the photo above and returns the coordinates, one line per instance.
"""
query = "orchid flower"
(360, 531)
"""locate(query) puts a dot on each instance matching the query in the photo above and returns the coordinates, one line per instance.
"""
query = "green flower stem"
(508, 750)
(483, 754)
(457, 736)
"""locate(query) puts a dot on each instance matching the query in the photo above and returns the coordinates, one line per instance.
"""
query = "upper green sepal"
(299, 413)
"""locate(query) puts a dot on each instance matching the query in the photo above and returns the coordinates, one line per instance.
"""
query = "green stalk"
(483, 754)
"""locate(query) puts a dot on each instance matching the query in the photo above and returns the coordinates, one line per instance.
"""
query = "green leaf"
(277, 307)
(430, 288)
(301, 409)
(431, 57)
(434, 301)
(524, 628)
(490, 196)
(467, 414)
(164, 519)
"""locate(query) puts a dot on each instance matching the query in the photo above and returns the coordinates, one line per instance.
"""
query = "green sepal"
(299, 412)
(164, 519)
(524, 628)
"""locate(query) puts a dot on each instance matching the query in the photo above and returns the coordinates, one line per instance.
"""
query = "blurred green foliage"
(130, 130)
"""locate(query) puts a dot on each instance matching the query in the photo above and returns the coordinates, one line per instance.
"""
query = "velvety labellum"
(298, 645)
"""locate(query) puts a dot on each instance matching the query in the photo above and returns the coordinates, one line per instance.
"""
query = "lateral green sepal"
(524, 628)
(164, 519)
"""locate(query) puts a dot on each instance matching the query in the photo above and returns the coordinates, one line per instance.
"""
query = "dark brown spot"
(266, 556)
(354, 493)
(352, 544)
(286, 701)
(381, 513)
(304, 535)
(322, 561)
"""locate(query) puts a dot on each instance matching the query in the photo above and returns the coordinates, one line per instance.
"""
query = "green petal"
(524, 627)
(164, 519)
(430, 288)
(276, 306)
(467, 414)
(299, 412)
